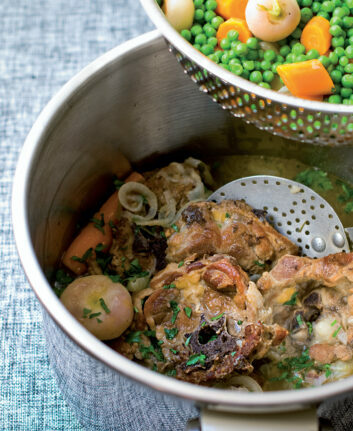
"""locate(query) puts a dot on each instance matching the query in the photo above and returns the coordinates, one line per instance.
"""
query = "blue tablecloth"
(43, 43)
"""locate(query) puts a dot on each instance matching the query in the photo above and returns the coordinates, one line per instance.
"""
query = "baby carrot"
(316, 35)
(231, 8)
(234, 24)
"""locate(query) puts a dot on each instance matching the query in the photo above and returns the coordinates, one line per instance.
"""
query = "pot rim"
(35, 142)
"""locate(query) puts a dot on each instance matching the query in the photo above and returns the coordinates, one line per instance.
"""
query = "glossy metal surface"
(133, 100)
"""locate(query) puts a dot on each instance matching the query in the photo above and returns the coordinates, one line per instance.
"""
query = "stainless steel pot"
(135, 100)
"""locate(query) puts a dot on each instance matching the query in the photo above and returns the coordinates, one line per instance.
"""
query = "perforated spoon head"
(293, 209)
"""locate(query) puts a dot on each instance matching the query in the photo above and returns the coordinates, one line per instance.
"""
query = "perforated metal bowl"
(280, 114)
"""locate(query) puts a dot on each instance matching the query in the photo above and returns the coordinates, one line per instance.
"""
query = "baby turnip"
(102, 306)
(179, 13)
(272, 20)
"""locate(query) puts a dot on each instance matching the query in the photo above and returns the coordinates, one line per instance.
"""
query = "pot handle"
(212, 420)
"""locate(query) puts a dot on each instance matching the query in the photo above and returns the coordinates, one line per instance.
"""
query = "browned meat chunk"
(207, 319)
(313, 298)
(230, 227)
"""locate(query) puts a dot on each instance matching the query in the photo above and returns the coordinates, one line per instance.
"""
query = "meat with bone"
(313, 298)
(230, 227)
(209, 319)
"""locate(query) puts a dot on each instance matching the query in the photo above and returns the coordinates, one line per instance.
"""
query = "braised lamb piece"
(230, 227)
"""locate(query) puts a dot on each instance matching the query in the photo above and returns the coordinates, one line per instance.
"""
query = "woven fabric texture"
(42, 45)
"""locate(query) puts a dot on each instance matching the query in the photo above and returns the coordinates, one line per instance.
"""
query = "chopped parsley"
(135, 309)
(169, 286)
(175, 227)
(188, 311)
(99, 320)
(62, 280)
(334, 323)
(104, 305)
(293, 369)
(262, 265)
(203, 324)
(217, 317)
(310, 327)
(174, 306)
(292, 300)
(233, 353)
(327, 369)
(93, 315)
(115, 278)
(118, 183)
(346, 196)
(181, 264)
(171, 373)
(240, 322)
(86, 312)
(175, 352)
(299, 320)
(227, 215)
(85, 256)
(98, 223)
(315, 179)
(153, 349)
(163, 234)
(214, 337)
(334, 335)
(135, 271)
(171, 333)
(196, 359)
(133, 337)
(187, 342)
(100, 247)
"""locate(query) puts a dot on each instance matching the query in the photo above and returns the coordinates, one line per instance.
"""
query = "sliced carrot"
(94, 234)
(316, 35)
(234, 24)
(307, 78)
(231, 8)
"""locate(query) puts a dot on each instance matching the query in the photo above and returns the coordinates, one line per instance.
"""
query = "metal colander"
(280, 114)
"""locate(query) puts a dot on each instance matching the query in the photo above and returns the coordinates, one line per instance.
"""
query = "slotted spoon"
(294, 210)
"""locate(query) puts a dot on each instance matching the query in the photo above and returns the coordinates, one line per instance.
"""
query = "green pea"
(264, 85)
(327, 6)
(232, 53)
(249, 65)
(261, 54)
(337, 3)
(252, 43)
(214, 58)
(234, 44)
(324, 15)
(282, 42)
(347, 81)
(336, 89)
(349, 68)
(265, 65)
(350, 32)
(252, 55)
(186, 34)
(347, 21)
(346, 92)
(241, 50)
(343, 61)
(198, 3)
(236, 68)
(336, 30)
(268, 76)
(307, 3)
(209, 30)
(198, 15)
(335, 98)
(337, 41)
(256, 76)
(285, 50)
(225, 58)
(336, 76)
(197, 46)
(225, 44)
(341, 12)
(316, 6)
(196, 29)
(298, 49)
(209, 15)
(216, 22)
(211, 4)
(245, 74)
(335, 20)
(219, 54)
(269, 55)
(300, 58)
(279, 58)
(257, 65)
(232, 35)
(291, 58)
(312, 54)
(349, 3)
(350, 40)
(201, 39)
(274, 68)
(212, 41)
(297, 33)
(207, 49)
(234, 61)
(339, 51)
(306, 14)
(324, 60)
(225, 66)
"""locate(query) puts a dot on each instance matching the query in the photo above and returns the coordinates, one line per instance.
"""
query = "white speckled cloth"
(42, 45)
